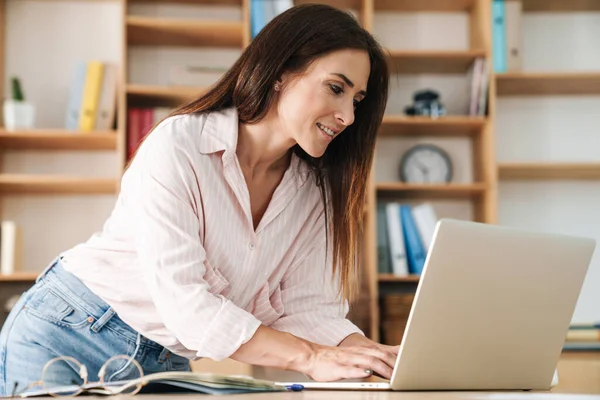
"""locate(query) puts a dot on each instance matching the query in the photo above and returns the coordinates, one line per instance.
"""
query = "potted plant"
(18, 113)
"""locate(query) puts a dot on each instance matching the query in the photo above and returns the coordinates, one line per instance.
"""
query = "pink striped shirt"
(179, 259)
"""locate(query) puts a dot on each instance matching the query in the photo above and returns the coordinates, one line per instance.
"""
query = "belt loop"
(164, 355)
(48, 268)
(103, 320)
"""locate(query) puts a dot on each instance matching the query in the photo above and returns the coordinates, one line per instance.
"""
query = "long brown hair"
(289, 43)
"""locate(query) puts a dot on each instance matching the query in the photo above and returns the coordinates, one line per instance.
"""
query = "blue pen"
(295, 387)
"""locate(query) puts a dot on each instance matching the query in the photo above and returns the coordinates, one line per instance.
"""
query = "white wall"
(46, 39)
(44, 42)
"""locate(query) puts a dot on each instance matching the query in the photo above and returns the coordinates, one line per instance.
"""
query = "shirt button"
(251, 246)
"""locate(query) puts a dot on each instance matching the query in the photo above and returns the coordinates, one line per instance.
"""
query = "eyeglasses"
(54, 382)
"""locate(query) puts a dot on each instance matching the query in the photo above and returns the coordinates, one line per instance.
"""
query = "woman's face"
(315, 107)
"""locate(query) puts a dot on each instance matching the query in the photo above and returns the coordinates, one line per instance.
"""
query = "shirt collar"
(220, 133)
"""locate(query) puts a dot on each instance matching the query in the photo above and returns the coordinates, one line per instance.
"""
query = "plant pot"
(18, 115)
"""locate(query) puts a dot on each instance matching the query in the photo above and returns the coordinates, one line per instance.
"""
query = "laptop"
(491, 310)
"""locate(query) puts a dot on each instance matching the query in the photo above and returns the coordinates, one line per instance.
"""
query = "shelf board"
(183, 32)
(19, 277)
(52, 184)
(57, 139)
(395, 278)
(194, 2)
(451, 125)
(545, 83)
(432, 191)
(423, 5)
(166, 93)
(343, 4)
(431, 62)
(560, 5)
(548, 171)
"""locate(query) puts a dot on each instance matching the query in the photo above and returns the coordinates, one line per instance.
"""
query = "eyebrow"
(348, 82)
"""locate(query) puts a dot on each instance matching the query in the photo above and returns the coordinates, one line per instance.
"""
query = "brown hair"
(290, 43)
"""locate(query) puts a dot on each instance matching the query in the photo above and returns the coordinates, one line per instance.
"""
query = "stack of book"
(404, 235)
(140, 121)
(92, 97)
(583, 337)
(263, 11)
(507, 36)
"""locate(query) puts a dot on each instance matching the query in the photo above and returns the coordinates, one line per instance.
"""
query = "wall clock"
(426, 163)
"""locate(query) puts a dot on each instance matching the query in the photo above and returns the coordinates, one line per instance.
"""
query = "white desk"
(364, 395)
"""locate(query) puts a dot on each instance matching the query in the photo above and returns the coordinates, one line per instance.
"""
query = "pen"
(295, 387)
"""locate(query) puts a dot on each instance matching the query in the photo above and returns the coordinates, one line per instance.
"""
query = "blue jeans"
(60, 316)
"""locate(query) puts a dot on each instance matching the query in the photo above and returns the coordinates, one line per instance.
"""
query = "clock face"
(426, 163)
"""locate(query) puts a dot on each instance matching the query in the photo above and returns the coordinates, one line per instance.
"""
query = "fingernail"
(368, 371)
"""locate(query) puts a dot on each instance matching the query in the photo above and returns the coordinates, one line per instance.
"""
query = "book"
(426, 220)
(107, 102)
(9, 243)
(499, 36)
(384, 263)
(396, 239)
(415, 252)
(583, 335)
(171, 382)
(514, 35)
(91, 95)
(75, 96)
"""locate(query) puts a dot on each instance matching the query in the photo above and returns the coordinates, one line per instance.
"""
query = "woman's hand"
(355, 357)
(343, 362)
(358, 340)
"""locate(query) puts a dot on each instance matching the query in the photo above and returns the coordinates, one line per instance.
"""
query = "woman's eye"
(336, 89)
(355, 103)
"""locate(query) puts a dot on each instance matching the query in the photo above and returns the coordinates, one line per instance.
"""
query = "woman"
(235, 229)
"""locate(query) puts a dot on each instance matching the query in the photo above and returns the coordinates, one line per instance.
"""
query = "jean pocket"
(267, 306)
(51, 306)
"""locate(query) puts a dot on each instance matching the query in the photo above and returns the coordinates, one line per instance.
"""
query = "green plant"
(17, 92)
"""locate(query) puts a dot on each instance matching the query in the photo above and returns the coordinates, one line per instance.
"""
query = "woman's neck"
(263, 148)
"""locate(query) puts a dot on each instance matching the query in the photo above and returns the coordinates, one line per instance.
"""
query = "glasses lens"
(63, 376)
(122, 374)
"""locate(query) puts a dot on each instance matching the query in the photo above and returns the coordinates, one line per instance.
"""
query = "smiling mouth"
(325, 129)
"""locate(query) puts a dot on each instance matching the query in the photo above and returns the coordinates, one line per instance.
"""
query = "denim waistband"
(57, 277)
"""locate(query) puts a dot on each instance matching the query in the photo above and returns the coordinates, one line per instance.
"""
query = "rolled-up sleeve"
(169, 245)
(313, 309)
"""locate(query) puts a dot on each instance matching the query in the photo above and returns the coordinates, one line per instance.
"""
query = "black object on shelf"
(426, 103)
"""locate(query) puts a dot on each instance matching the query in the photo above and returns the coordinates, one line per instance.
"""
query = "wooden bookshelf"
(424, 191)
(560, 5)
(19, 277)
(57, 139)
(343, 4)
(394, 278)
(12, 184)
(549, 171)
(176, 94)
(194, 2)
(424, 5)
(400, 125)
(179, 32)
(548, 83)
(432, 62)
(481, 194)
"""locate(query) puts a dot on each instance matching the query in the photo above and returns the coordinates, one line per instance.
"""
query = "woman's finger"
(392, 349)
(385, 356)
(368, 361)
